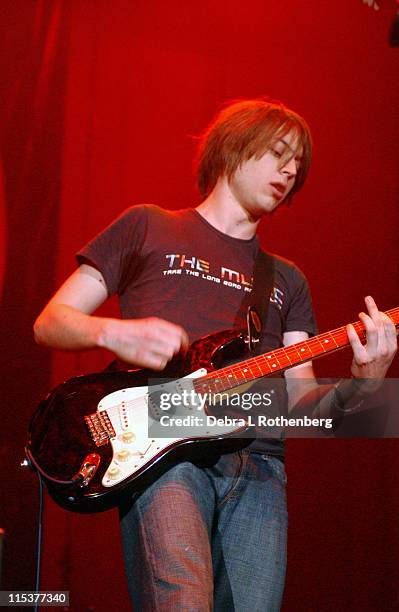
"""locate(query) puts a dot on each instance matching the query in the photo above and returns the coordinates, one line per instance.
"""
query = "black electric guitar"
(92, 438)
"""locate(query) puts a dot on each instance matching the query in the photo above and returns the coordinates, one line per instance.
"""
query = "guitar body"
(61, 445)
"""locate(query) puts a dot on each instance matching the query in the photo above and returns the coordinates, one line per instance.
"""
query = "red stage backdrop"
(104, 100)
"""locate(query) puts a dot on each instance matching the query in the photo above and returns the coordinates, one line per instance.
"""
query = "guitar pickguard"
(130, 419)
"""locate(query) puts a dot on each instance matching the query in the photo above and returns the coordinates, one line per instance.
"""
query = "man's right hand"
(149, 343)
(67, 323)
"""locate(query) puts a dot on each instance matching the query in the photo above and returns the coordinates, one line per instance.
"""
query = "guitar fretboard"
(281, 359)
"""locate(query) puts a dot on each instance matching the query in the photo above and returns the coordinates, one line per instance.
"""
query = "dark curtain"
(33, 43)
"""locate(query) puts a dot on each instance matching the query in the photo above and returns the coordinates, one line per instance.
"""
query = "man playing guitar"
(212, 536)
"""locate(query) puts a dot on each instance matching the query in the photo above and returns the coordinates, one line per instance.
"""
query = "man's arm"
(370, 361)
(67, 323)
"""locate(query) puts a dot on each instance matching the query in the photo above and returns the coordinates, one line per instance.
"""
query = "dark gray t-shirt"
(176, 266)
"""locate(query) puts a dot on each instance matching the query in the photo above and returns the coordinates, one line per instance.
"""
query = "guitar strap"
(262, 286)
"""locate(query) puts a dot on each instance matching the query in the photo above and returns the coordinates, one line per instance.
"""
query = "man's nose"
(290, 167)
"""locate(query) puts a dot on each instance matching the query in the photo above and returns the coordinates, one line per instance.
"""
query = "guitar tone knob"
(113, 472)
(123, 455)
(128, 437)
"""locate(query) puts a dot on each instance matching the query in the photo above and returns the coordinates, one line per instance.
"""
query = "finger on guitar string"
(372, 359)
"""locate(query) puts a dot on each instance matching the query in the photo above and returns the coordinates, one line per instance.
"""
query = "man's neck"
(222, 211)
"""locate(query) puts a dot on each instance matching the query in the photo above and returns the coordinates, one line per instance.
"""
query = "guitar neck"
(282, 359)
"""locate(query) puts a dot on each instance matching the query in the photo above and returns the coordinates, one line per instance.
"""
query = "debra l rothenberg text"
(249, 421)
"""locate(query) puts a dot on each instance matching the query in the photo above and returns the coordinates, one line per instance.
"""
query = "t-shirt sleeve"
(116, 251)
(300, 315)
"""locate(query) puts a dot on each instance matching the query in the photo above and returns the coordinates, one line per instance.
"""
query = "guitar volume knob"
(128, 437)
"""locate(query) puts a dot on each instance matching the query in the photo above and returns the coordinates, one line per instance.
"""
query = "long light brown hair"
(249, 128)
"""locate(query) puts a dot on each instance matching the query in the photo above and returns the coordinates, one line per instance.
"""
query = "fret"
(268, 367)
(394, 315)
(277, 360)
(246, 372)
(283, 358)
(202, 385)
(255, 371)
(319, 344)
(255, 368)
(340, 336)
(304, 350)
(227, 381)
(333, 338)
(216, 386)
(293, 350)
(325, 342)
(209, 385)
(286, 355)
(270, 361)
(240, 373)
(252, 368)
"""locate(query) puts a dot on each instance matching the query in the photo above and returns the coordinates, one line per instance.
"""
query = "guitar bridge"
(100, 427)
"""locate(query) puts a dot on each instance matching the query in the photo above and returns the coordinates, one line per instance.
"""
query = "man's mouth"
(278, 188)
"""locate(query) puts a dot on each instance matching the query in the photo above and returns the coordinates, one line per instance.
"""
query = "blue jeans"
(213, 538)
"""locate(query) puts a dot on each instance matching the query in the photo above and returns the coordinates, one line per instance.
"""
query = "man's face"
(260, 185)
